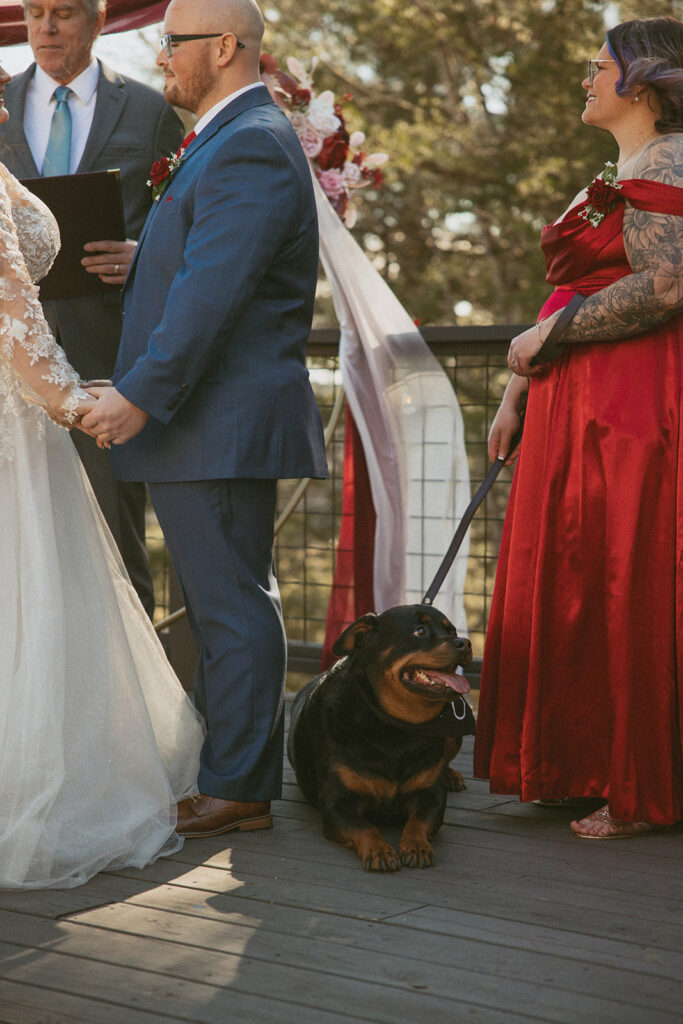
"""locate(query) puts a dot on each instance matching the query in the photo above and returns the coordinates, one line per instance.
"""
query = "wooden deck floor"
(518, 922)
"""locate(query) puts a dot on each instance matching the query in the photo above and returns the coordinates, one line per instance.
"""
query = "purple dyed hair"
(649, 52)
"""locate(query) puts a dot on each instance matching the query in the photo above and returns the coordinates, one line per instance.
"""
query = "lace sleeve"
(47, 378)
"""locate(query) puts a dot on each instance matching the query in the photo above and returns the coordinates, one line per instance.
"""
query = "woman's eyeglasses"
(594, 65)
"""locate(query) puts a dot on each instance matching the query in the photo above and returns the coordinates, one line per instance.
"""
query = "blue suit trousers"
(220, 537)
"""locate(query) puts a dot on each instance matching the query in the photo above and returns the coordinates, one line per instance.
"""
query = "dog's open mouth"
(430, 681)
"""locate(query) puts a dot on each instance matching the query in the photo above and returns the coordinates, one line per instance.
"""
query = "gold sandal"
(620, 829)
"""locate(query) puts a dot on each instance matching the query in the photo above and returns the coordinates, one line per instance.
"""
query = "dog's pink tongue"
(455, 682)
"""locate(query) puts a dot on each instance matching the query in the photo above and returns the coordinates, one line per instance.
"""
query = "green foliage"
(478, 103)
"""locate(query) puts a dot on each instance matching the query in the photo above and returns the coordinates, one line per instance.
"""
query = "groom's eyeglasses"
(594, 65)
(168, 41)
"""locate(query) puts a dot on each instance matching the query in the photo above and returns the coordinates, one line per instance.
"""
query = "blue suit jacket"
(218, 307)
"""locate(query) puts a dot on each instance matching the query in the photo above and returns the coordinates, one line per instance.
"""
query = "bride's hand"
(66, 416)
(85, 405)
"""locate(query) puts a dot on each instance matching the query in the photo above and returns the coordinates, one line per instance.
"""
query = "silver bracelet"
(538, 329)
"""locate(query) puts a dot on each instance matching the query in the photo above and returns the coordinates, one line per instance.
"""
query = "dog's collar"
(456, 719)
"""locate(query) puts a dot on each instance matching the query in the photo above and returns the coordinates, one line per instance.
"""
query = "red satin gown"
(584, 650)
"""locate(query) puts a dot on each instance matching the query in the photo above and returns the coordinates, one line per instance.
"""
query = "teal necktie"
(59, 143)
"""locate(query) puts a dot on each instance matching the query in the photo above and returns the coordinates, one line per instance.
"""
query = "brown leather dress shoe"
(210, 816)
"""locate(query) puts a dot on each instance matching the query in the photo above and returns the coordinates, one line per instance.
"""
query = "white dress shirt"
(40, 106)
(210, 114)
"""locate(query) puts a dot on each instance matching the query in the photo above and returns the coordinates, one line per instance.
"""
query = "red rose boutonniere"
(163, 170)
(602, 195)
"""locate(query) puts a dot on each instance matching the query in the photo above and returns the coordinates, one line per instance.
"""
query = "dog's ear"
(353, 635)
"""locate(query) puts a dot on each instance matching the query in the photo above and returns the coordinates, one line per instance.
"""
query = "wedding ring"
(116, 269)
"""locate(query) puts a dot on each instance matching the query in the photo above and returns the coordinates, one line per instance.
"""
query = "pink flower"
(298, 121)
(332, 183)
(311, 142)
(352, 175)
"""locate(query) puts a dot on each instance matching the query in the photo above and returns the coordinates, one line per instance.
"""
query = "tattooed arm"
(654, 247)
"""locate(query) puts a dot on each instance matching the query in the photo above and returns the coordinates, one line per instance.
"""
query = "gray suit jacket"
(132, 127)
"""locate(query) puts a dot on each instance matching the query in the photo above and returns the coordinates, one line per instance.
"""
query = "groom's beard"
(189, 92)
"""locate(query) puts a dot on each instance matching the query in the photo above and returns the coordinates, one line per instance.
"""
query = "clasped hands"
(112, 419)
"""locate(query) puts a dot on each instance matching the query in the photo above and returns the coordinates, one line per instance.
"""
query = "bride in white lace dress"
(97, 739)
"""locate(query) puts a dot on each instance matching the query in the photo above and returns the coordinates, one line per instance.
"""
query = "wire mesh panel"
(305, 544)
(475, 361)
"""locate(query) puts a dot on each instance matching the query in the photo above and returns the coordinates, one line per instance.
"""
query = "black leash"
(551, 348)
(459, 536)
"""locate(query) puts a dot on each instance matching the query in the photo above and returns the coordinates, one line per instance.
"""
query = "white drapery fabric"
(410, 424)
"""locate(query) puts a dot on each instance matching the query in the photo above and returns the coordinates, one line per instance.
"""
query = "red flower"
(288, 84)
(268, 64)
(340, 203)
(301, 97)
(160, 171)
(601, 196)
(334, 152)
(373, 175)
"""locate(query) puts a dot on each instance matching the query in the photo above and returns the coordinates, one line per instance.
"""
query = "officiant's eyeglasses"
(168, 41)
(594, 65)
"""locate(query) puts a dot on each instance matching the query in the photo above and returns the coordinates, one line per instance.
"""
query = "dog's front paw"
(417, 856)
(454, 781)
(381, 857)
(415, 848)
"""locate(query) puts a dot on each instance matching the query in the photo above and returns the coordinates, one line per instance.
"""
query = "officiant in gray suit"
(72, 114)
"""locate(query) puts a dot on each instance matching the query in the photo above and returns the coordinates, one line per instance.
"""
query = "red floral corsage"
(602, 195)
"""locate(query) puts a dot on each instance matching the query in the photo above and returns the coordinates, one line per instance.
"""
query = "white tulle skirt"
(97, 738)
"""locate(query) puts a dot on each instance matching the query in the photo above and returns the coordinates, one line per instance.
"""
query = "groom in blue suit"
(212, 401)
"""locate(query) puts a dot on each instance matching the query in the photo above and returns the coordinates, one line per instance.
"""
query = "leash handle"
(463, 526)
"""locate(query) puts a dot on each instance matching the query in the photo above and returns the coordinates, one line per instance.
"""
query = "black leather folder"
(88, 208)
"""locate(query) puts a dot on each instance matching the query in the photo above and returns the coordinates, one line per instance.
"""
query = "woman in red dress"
(580, 684)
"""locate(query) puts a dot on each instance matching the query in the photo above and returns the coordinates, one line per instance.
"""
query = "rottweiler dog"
(370, 740)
